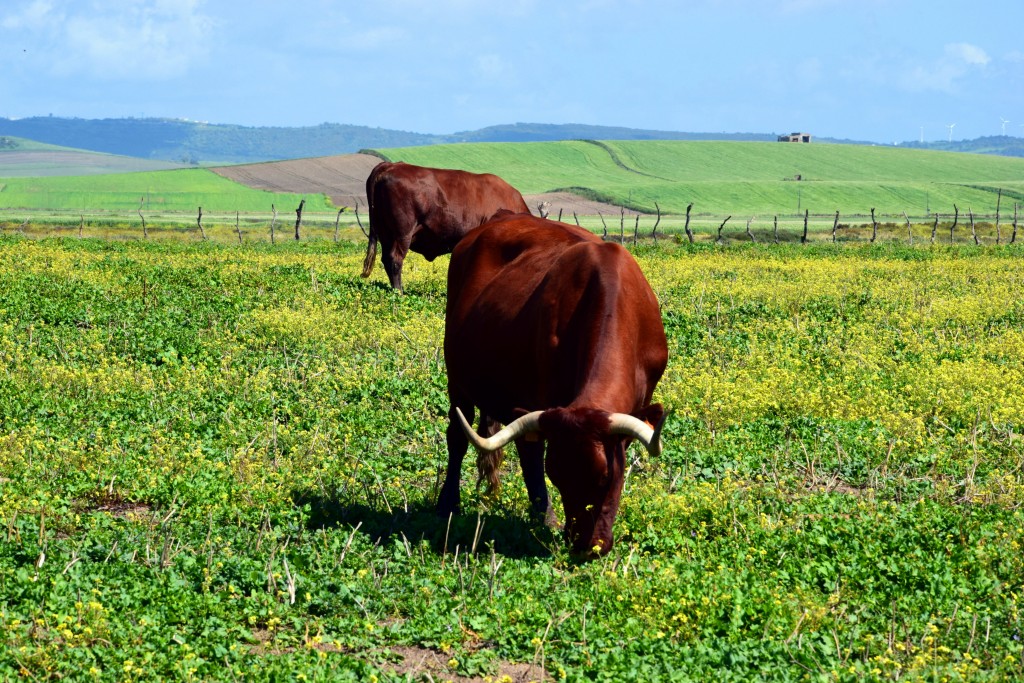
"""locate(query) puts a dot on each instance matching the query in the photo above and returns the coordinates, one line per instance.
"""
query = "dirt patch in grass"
(417, 661)
(414, 663)
(343, 179)
(568, 203)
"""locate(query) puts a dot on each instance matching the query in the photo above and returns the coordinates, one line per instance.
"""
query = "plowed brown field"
(343, 179)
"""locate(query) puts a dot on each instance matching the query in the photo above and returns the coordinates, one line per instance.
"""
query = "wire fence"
(631, 227)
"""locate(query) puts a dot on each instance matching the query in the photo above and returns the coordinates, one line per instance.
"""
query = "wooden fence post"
(298, 218)
(273, 220)
(1013, 238)
(935, 226)
(910, 231)
(636, 229)
(654, 232)
(750, 234)
(359, 221)
(622, 225)
(689, 233)
(803, 238)
(835, 226)
(719, 240)
(999, 199)
(199, 222)
(956, 219)
(238, 228)
(775, 228)
(337, 220)
(145, 233)
(974, 232)
(81, 225)
(605, 235)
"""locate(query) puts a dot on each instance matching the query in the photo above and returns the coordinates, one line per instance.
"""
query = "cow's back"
(558, 314)
(431, 209)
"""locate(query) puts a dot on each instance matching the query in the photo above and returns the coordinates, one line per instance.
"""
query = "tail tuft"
(371, 255)
(488, 465)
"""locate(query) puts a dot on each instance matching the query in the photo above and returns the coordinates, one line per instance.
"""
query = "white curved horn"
(518, 427)
(621, 423)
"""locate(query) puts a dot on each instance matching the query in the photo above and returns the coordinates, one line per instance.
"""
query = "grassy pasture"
(744, 178)
(47, 163)
(183, 190)
(741, 179)
(217, 462)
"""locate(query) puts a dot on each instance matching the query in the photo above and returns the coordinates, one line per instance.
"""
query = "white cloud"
(490, 66)
(372, 39)
(34, 15)
(128, 39)
(967, 53)
(959, 61)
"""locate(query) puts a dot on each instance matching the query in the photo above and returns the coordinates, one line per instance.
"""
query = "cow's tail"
(371, 253)
(488, 464)
(371, 191)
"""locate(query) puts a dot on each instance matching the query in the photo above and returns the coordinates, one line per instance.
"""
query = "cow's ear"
(652, 414)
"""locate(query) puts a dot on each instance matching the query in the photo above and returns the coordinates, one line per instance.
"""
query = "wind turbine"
(1004, 122)
(950, 126)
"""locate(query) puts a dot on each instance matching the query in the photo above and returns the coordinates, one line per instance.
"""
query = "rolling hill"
(741, 179)
(28, 158)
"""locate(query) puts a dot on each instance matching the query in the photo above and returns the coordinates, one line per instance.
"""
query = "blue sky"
(880, 70)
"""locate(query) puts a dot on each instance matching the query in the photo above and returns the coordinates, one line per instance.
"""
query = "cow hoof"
(446, 511)
(546, 517)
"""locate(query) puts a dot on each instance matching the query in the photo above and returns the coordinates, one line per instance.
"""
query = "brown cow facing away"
(428, 210)
(557, 335)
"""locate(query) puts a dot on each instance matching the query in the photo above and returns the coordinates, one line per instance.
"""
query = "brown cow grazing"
(428, 210)
(557, 335)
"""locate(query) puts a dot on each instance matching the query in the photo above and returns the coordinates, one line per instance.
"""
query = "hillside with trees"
(198, 143)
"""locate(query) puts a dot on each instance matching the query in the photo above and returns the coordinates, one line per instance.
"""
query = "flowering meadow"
(219, 462)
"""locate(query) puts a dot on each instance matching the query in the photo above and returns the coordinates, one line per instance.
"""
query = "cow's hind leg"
(392, 258)
(448, 502)
(531, 461)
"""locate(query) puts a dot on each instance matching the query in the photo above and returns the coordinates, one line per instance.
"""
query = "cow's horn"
(621, 423)
(523, 425)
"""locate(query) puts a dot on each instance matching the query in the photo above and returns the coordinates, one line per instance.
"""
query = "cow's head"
(586, 461)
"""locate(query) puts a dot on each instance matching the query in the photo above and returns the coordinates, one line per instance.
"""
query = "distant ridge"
(554, 132)
(29, 158)
(196, 142)
(182, 141)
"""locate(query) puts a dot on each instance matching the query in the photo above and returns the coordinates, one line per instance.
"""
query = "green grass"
(741, 179)
(217, 462)
(166, 191)
(744, 178)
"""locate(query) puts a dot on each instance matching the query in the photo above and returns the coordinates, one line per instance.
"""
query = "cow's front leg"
(448, 502)
(531, 462)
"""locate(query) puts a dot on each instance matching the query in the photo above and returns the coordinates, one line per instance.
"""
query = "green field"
(218, 463)
(180, 191)
(744, 178)
(741, 179)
